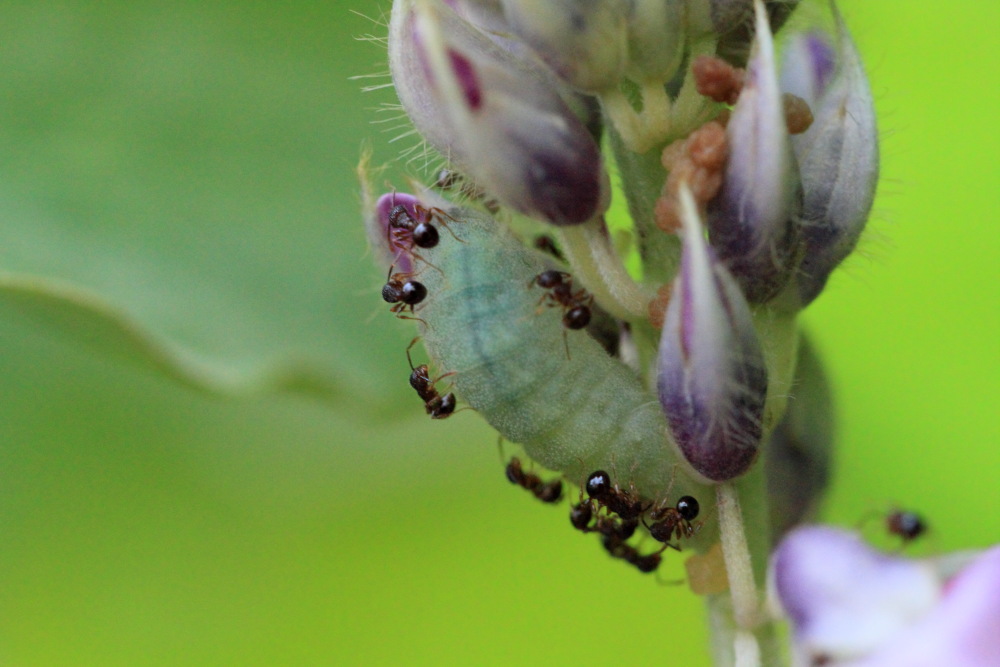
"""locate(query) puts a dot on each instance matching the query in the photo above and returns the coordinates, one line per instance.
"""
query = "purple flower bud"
(838, 155)
(712, 377)
(496, 113)
(797, 456)
(751, 221)
(585, 43)
(851, 605)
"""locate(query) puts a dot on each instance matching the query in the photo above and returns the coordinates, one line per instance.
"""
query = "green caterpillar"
(576, 412)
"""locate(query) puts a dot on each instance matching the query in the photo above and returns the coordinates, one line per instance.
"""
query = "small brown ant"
(437, 406)
(405, 293)
(907, 525)
(576, 305)
(547, 492)
(623, 503)
(669, 522)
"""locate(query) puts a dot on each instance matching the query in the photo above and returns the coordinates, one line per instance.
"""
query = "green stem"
(599, 268)
(742, 587)
(640, 130)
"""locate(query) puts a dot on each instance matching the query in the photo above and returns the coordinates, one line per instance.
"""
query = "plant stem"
(598, 266)
(742, 586)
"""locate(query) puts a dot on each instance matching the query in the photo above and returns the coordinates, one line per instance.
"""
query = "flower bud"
(585, 43)
(838, 156)
(712, 376)
(496, 113)
(751, 221)
(655, 39)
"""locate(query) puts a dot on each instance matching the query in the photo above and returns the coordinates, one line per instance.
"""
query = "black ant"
(403, 292)
(576, 305)
(619, 549)
(547, 492)
(581, 514)
(907, 525)
(437, 406)
(623, 503)
(669, 522)
(404, 228)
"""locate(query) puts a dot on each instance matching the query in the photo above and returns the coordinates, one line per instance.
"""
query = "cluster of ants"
(615, 514)
(406, 233)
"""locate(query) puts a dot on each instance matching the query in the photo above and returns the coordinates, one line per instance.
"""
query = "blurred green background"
(193, 163)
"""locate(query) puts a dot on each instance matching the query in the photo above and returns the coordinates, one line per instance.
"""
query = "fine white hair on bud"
(496, 113)
(712, 377)
(752, 221)
(838, 155)
(585, 43)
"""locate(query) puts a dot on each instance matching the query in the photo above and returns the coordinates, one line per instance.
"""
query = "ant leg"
(410, 347)
(668, 544)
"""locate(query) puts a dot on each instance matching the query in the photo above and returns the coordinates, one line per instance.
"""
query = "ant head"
(549, 279)
(514, 470)
(392, 292)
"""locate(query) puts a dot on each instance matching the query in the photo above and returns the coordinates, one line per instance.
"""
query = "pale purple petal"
(963, 630)
(845, 599)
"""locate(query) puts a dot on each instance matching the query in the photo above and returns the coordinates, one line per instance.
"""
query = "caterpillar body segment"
(575, 414)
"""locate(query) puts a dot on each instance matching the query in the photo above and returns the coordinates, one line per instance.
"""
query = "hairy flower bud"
(496, 113)
(838, 155)
(712, 376)
(585, 43)
(751, 221)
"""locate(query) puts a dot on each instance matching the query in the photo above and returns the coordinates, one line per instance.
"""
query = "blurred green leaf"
(108, 331)
(177, 181)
